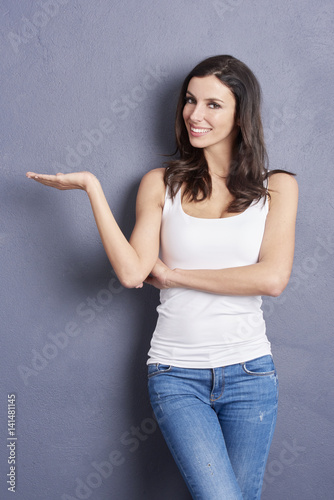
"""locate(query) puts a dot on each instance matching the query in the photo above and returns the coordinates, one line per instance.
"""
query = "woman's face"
(209, 113)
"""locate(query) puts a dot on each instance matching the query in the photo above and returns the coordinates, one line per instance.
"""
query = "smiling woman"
(210, 117)
(224, 228)
(228, 92)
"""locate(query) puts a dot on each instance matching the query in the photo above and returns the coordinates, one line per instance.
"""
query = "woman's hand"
(75, 180)
(159, 276)
(131, 260)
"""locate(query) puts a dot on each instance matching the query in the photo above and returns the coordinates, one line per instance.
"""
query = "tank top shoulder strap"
(266, 180)
(168, 200)
(169, 203)
(266, 184)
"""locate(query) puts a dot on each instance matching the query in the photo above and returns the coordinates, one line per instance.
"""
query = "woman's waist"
(195, 303)
(204, 328)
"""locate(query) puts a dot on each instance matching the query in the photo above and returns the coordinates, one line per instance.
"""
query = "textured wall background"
(93, 86)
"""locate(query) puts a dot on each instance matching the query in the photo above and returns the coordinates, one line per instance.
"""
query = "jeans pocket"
(259, 366)
(156, 368)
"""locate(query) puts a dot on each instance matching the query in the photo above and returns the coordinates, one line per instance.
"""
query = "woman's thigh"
(247, 414)
(181, 402)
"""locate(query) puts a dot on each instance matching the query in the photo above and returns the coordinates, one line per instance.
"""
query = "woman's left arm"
(270, 275)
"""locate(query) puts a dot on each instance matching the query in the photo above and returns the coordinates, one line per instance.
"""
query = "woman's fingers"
(44, 178)
(48, 180)
(33, 175)
(75, 180)
(153, 281)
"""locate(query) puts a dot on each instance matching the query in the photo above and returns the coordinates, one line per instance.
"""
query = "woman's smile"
(197, 131)
(209, 112)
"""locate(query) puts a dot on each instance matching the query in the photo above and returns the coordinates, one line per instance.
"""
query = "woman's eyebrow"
(208, 99)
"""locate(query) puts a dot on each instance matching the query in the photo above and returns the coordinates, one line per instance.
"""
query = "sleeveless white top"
(197, 329)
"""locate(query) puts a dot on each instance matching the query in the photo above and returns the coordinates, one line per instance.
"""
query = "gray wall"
(92, 86)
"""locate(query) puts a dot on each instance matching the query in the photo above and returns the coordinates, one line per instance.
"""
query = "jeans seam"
(149, 375)
(272, 428)
(258, 374)
(213, 400)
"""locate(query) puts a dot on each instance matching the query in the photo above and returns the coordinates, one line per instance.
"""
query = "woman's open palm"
(74, 180)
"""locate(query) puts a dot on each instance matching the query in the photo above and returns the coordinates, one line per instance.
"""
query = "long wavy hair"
(248, 168)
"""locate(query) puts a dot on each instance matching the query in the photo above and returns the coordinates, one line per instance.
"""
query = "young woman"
(224, 226)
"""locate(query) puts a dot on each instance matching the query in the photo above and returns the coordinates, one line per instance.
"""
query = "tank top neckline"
(179, 200)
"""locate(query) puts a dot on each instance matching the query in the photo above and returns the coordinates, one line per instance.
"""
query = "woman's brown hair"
(248, 168)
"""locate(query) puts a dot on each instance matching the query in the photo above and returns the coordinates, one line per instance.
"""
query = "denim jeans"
(218, 424)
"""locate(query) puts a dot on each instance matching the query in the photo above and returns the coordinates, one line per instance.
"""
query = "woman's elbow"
(276, 284)
(131, 281)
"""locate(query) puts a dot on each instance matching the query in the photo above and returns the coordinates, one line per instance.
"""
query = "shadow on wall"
(163, 126)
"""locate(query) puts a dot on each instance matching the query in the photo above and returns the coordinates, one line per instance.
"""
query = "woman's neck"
(219, 162)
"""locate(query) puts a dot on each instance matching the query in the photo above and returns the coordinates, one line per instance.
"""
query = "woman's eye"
(189, 100)
(214, 105)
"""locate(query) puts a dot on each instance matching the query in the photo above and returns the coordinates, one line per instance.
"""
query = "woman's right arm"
(131, 260)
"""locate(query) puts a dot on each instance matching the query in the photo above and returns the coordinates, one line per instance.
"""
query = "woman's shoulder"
(278, 180)
(155, 175)
(283, 189)
(153, 185)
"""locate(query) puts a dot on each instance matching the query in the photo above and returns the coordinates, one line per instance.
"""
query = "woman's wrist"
(172, 278)
(91, 183)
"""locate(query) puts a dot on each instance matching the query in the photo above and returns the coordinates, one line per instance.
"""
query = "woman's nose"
(197, 114)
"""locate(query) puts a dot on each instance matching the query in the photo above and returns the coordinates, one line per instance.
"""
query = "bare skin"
(136, 261)
(270, 275)
(132, 261)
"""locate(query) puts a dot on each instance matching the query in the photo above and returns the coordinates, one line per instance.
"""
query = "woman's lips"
(198, 131)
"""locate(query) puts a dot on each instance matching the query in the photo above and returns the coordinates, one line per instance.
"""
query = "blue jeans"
(218, 424)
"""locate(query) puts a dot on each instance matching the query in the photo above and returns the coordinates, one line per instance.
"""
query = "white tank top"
(198, 329)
